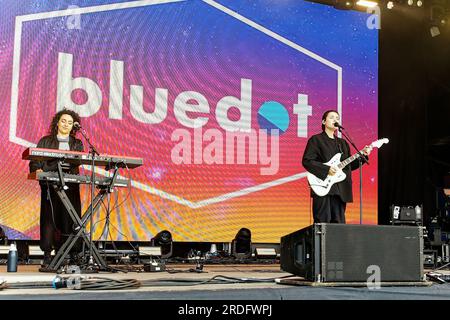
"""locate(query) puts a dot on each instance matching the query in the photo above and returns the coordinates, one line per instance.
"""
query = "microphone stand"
(361, 159)
(93, 152)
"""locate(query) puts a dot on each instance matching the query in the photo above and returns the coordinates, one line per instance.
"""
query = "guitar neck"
(349, 160)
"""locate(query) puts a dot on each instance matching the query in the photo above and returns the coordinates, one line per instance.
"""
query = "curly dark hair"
(325, 115)
(53, 130)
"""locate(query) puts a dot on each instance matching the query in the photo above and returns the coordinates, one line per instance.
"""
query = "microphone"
(336, 124)
(76, 125)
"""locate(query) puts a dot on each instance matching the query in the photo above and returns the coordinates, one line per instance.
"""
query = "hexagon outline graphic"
(141, 3)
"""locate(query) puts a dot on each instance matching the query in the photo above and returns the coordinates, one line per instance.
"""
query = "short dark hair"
(53, 130)
(325, 115)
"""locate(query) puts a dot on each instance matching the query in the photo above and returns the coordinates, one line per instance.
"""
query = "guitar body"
(322, 187)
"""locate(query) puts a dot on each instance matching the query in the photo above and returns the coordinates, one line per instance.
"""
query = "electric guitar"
(322, 187)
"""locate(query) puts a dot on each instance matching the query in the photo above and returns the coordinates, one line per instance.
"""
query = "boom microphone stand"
(93, 152)
(361, 159)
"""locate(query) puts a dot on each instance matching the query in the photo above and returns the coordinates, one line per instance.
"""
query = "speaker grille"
(346, 253)
(350, 252)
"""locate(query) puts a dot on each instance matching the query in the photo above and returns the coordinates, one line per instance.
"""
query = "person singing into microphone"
(319, 150)
(55, 221)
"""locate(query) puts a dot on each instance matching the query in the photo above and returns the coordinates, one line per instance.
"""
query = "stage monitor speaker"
(326, 252)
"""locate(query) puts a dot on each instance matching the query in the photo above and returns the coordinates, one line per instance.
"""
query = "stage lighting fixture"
(390, 5)
(438, 19)
(147, 253)
(4, 249)
(365, 3)
(35, 251)
(265, 253)
(164, 240)
(435, 31)
(410, 2)
(343, 4)
(419, 3)
(241, 246)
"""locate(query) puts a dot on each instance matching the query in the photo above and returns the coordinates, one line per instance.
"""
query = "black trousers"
(329, 209)
(55, 222)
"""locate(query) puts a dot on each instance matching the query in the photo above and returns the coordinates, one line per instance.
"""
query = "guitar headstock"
(379, 142)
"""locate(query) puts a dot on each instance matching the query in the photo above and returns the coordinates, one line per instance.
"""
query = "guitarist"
(320, 149)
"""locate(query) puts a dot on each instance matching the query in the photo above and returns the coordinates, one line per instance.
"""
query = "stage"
(257, 282)
(240, 144)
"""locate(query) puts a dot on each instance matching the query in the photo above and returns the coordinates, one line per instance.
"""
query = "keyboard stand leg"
(80, 230)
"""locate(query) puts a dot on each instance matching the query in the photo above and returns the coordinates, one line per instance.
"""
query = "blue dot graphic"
(273, 115)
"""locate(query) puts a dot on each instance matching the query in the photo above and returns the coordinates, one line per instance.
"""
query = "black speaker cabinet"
(326, 252)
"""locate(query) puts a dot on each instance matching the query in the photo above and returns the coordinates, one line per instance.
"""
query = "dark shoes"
(45, 264)
(47, 259)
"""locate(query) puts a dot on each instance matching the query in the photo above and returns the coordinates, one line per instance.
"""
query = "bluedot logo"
(232, 141)
(273, 115)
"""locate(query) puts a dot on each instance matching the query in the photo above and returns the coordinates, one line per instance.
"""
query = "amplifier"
(429, 258)
(406, 214)
(326, 252)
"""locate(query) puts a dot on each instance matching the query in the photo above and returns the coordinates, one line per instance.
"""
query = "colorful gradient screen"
(219, 98)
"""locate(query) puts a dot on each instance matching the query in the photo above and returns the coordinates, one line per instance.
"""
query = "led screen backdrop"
(218, 98)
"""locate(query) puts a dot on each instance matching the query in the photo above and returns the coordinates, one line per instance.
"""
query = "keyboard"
(39, 154)
(77, 178)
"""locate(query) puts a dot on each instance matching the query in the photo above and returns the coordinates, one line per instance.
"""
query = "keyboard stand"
(80, 224)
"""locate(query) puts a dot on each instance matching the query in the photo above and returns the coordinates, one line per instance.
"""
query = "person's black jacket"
(51, 142)
(320, 149)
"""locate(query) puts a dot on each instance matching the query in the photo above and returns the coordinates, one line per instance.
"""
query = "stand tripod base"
(89, 270)
(47, 270)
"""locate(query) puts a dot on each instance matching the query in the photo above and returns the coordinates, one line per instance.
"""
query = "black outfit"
(320, 149)
(55, 221)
